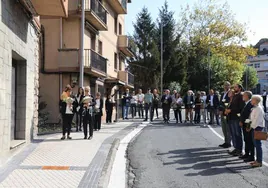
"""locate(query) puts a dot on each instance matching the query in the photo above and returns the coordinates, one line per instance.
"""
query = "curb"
(108, 165)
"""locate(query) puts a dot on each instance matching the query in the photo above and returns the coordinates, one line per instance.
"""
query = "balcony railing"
(124, 4)
(97, 8)
(125, 45)
(130, 79)
(95, 61)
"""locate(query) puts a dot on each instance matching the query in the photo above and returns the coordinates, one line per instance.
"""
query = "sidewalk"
(50, 162)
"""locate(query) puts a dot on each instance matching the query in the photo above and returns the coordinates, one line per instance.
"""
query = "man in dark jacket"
(213, 106)
(249, 145)
(126, 103)
(234, 112)
(166, 104)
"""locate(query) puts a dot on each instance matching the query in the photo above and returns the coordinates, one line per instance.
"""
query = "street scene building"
(260, 63)
(19, 47)
(106, 48)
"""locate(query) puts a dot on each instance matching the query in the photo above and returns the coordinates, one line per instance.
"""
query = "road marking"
(118, 173)
(55, 168)
(221, 137)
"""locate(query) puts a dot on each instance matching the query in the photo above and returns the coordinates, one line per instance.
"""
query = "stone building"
(19, 68)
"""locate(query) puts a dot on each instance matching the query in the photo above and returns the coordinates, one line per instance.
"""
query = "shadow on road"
(205, 161)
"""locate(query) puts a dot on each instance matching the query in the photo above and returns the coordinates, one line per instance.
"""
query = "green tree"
(250, 78)
(211, 26)
(171, 63)
(146, 62)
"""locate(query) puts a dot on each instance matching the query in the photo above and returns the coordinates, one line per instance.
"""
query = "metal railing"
(130, 79)
(95, 61)
(97, 8)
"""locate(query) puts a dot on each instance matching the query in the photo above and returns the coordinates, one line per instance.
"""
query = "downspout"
(60, 79)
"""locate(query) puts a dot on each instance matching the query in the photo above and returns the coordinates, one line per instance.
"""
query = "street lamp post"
(161, 58)
(209, 69)
(81, 77)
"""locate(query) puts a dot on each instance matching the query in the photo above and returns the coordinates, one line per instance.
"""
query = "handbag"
(260, 135)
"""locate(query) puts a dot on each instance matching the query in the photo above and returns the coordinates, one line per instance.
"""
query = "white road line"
(118, 174)
(221, 137)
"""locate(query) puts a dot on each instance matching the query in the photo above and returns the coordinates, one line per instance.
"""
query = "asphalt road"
(188, 156)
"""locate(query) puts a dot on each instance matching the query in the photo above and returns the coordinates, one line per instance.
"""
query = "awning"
(114, 81)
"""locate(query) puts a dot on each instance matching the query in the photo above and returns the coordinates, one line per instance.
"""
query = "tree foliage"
(207, 38)
(250, 78)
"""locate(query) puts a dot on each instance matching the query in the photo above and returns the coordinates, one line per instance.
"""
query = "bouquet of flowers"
(248, 123)
(87, 100)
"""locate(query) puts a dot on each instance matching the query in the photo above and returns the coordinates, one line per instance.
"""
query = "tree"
(175, 86)
(171, 59)
(250, 79)
(210, 26)
(146, 62)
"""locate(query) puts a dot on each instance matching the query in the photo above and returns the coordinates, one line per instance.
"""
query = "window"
(100, 48)
(115, 62)
(120, 29)
(115, 25)
(257, 65)
(250, 65)
(266, 74)
(93, 43)
(120, 63)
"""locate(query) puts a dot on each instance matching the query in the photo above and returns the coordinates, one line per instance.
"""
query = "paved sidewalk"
(69, 163)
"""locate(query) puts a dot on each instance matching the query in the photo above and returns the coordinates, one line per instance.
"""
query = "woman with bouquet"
(87, 114)
(66, 112)
(257, 124)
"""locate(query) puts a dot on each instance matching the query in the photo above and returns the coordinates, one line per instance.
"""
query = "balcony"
(119, 6)
(96, 14)
(58, 8)
(95, 63)
(126, 77)
(68, 60)
(124, 46)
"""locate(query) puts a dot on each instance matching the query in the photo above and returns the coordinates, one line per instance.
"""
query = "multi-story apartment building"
(19, 68)
(105, 50)
(260, 63)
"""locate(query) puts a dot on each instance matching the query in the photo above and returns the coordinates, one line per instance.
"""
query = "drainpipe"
(81, 77)
(60, 76)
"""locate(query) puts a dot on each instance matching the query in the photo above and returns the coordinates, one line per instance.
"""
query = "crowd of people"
(240, 113)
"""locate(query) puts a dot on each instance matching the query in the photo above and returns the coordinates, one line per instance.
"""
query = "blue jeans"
(236, 133)
(126, 108)
(257, 144)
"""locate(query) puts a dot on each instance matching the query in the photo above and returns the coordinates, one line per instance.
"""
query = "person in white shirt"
(257, 123)
(140, 97)
(133, 104)
(203, 111)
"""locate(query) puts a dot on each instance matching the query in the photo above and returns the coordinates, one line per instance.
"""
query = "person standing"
(177, 111)
(109, 109)
(148, 99)
(133, 104)
(67, 113)
(203, 111)
(98, 111)
(87, 114)
(166, 104)
(224, 101)
(197, 108)
(126, 104)
(264, 98)
(155, 103)
(257, 124)
(189, 103)
(140, 103)
(78, 100)
(234, 111)
(249, 145)
(213, 105)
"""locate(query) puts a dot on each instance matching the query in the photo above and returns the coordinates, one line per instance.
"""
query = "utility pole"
(162, 58)
(81, 77)
(209, 69)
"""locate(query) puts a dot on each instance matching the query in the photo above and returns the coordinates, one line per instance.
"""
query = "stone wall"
(19, 41)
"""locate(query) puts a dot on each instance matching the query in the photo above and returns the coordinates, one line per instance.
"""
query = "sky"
(252, 12)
